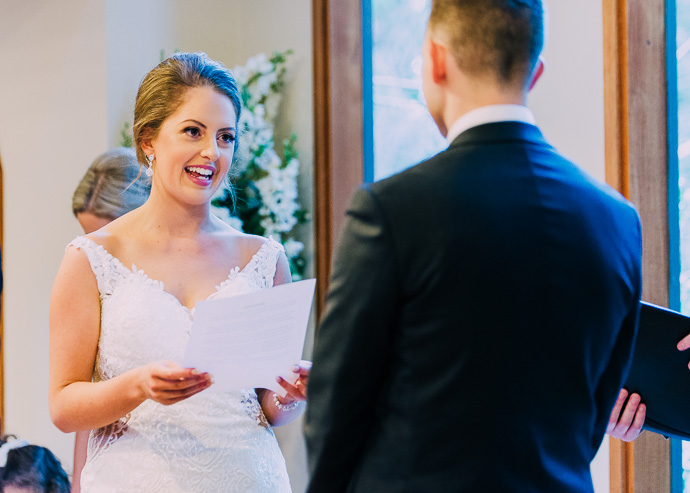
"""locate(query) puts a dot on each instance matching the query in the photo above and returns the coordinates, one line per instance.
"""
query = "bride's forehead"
(205, 102)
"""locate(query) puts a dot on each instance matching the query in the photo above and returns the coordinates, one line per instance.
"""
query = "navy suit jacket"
(480, 321)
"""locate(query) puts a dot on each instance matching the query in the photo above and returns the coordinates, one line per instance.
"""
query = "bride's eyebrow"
(193, 121)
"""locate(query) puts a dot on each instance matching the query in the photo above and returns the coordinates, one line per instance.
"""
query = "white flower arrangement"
(263, 199)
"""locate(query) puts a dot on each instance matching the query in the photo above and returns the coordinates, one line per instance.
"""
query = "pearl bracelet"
(284, 407)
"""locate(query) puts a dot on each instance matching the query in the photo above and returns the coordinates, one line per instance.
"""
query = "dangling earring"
(149, 170)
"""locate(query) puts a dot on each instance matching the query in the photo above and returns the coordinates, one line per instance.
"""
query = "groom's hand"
(627, 425)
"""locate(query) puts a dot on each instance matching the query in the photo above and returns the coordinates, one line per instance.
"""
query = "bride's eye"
(192, 131)
(227, 138)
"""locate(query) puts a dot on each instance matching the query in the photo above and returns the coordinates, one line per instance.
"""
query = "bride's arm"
(75, 402)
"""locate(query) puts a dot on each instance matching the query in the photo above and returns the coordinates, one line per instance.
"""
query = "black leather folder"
(660, 373)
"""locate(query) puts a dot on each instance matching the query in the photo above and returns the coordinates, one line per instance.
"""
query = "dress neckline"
(134, 271)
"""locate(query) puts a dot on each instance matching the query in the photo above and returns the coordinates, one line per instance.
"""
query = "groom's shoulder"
(414, 176)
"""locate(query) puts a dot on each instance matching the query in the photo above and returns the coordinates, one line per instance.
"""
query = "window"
(400, 130)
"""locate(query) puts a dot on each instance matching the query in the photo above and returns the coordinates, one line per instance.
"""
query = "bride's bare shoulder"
(240, 244)
(115, 234)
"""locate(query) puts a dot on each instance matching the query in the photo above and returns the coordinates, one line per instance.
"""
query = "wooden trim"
(636, 125)
(338, 124)
(648, 146)
(616, 127)
(617, 163)
(648, 143)
(621, 478)
(323, 241)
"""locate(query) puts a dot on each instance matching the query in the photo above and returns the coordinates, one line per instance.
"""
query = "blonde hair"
(163, 89)
(112, 186)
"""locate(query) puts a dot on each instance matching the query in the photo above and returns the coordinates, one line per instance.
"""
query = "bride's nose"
(210, 150)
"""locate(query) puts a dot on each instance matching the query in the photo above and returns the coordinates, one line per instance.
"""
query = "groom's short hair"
(501, 39)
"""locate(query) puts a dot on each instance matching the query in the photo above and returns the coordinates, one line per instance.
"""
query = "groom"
(483, 304)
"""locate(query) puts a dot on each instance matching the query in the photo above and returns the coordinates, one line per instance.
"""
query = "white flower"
(259, 111)
(274, 186)
(263, 85)
(271, 105)
(241, 75)
(262, 136)
(267, 159)
(271, 77)
(256, 61)
(260, 64)
(293, 247)
(224, 215)
(292, 169)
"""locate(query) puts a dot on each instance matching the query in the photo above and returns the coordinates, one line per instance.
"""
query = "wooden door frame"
(636, 126)
(338, 124)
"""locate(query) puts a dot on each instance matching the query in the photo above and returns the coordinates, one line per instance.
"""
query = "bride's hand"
(166, 382)
(298, 390)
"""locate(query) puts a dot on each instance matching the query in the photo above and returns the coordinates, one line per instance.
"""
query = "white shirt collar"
(490, 114)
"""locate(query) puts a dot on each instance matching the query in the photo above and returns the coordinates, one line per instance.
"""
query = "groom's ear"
(537, 72)
(437, 56)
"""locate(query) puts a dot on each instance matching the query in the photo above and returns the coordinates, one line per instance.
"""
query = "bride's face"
(194, 147)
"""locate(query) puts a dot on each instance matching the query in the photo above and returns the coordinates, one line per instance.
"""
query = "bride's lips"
(201, 175)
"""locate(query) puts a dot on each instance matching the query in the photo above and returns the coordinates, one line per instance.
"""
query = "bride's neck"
(175, 219)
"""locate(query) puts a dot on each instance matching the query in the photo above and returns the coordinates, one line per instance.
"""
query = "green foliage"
(126, 139)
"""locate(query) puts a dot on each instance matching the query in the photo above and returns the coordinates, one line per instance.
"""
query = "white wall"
(52, 124)
(568, 103)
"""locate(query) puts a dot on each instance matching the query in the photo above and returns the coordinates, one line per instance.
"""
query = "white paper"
(248, 340)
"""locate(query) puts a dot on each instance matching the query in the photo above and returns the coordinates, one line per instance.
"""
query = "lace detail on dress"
(104, 266)
(264, 263)
(100, 439)
(211, 442)
(252, 407)
(261, 267)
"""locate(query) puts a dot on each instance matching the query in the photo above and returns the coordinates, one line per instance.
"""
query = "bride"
(123, 303)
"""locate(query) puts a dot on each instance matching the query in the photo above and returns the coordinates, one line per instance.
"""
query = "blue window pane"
(683, 68)
(404, 133)
(683, 135)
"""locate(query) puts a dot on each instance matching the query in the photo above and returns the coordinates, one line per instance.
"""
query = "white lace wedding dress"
(211, 442)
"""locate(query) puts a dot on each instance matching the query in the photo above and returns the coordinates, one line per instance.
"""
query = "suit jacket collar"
(492, 113)
(500, 132)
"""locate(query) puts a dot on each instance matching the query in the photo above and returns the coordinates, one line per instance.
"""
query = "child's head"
(31, 469)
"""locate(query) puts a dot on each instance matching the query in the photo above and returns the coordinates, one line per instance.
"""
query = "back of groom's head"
(496, 39)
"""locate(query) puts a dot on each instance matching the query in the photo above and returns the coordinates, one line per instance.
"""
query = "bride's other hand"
(282, 410)
(627, 425)
(298, 390)
(166, 382)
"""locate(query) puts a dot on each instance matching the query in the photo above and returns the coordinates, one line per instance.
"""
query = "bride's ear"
(146, 142)
(146, 146)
